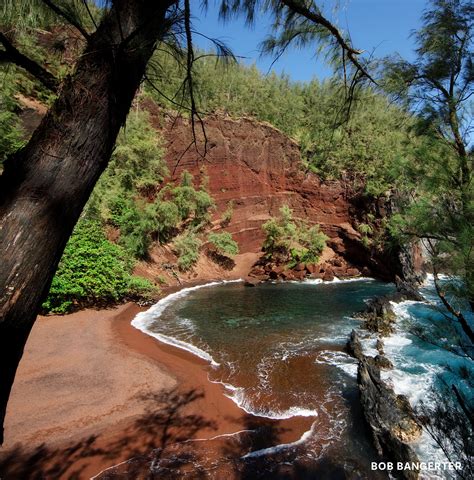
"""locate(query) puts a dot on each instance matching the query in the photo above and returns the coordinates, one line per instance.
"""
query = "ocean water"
(278, 350)
(423, 365)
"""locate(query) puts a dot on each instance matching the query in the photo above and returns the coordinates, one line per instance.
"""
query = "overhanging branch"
(13, 55)
(71, 20)
(317, 18)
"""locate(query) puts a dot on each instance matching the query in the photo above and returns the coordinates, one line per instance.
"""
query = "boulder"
(311, 268)
(251, 281)
(354, 346)
(288, 275)
(328, 276)
(353, 272)
(383, 362)
(337, 262)
(300, 274)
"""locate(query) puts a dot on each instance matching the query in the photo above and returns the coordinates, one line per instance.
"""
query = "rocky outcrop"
(378, 316)
(390, 416)
(326, 270)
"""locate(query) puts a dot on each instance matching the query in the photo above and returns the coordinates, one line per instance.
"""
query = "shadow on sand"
(166, 443)
(165, 423)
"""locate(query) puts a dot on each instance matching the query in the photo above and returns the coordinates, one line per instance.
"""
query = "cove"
(279, 351)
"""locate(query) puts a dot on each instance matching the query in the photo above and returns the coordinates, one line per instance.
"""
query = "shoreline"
(98, 438)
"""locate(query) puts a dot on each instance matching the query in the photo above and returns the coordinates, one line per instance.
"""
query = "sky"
(379, 26)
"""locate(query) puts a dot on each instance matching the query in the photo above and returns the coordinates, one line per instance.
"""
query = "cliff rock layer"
(259, 169)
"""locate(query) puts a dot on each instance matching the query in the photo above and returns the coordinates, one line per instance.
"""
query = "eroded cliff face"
(259, 169)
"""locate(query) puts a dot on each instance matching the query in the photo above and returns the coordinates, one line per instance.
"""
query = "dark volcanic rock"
(406, 291)
(379, 316)
(383, 362)
(390, 416)
(354, 346)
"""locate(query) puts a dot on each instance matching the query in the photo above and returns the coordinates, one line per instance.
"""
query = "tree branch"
(457, 314)
(317, 18)
(13, 55)
(61, 13)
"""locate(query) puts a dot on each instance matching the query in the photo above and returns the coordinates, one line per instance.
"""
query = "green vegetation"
(130, 195)
(131, 201)
(11, 135)
(292, 240)
(227, 215)
(187, 247)
(224, 243)
(439, 211)
(93, 270)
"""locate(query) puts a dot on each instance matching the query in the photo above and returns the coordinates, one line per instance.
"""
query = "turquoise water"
(278, 349)
(425, 370)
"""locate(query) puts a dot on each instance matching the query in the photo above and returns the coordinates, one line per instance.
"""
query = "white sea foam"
(317, 281)
(413, 377)
(186, 323)
(340, 360)
(369, 346)
(144, 320)
(239, 397)
(283, 446)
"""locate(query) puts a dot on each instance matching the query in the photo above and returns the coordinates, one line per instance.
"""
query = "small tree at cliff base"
(292, 241)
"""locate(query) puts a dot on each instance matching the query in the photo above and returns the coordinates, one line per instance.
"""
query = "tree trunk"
(45, 186)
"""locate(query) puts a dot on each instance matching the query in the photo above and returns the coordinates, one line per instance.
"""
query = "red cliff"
(259, 169)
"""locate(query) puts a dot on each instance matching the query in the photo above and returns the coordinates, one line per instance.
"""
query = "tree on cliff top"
(439, 86)
(45, 185)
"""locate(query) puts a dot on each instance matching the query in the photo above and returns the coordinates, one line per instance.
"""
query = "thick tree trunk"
(45, 186)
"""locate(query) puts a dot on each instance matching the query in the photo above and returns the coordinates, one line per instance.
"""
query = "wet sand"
(93, 392)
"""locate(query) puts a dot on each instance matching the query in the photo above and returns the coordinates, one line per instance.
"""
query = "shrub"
(187, 248)
(224, 243)
(227, 215)
(365, 229)
(192, 203)
(293, 239)
(11, 135)
(92, 269)
(140, 288)
(166, 218)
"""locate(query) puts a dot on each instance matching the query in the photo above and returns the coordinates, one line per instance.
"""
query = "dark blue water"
(279, 351)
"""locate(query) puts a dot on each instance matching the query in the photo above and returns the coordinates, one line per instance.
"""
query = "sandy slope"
(74, 377)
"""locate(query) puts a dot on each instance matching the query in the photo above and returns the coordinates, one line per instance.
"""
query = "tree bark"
(45, 186)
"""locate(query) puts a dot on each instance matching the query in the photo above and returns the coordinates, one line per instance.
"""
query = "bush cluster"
(292, 240)
(93, 270)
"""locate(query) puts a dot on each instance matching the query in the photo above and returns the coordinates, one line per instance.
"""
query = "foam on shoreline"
(143, 320)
